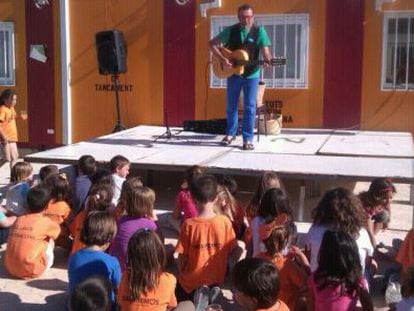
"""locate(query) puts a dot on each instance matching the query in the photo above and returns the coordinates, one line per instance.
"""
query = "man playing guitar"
(253, 39)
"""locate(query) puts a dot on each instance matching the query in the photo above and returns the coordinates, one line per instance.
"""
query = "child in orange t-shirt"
(256, 284)
(99, 199)
(145, 285)
(293, 269)
(31, 239)
(58, 208)
(204, 243)
(8, 128)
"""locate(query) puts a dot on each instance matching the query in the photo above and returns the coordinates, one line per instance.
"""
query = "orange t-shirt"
(8, 122)
(27, 243)
(75, 228)
(278, 306)
(157, 299)
(58, 211)
(206, 244)
(405, 254)
(292, 278)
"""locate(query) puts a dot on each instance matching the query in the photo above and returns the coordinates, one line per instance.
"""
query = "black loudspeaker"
(111, 52)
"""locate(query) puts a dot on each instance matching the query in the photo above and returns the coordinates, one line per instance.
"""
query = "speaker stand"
(118, 126)
(168, 133)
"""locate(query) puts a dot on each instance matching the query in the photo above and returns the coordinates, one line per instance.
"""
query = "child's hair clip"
(63, 176)
(265, 230)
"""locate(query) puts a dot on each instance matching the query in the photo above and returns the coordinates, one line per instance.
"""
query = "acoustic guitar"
(239, 59)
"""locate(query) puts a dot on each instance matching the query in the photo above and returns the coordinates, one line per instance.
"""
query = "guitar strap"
(249, 45)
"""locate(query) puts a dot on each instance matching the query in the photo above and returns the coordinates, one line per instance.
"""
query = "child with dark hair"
(92, 294)
(99, 199)
(256, 285)
(129, 185)
(204, 244)
(377, 205)
(338, 282)
(8, 128)
(267, 181)
(227, 195)
(86, 168)
(293, 267)
(102, 176)
(120, 170)
(30, 244)
(99, 228)
(58, 208)
(139, 204)
(145, 284)
(339, 209)
(21, 181)
(184, 205)
(48, 170)
(274, 202)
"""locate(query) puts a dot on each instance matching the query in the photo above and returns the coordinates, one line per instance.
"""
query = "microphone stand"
(167, 134)
(118, 126)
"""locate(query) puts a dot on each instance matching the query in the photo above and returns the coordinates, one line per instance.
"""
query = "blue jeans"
(249, 86)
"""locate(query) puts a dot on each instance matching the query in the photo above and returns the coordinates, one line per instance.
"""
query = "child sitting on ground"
(98, 230)
(338, 282)
(185, 207)
(205, 242)
(86, 168)
(21, 180)
(92, 294)
(377, 205)
(274, 202)
(100, 199)
(139, 205)
(120, 170)
(146, 284)
(340, 209)
(46, 171)
(30, 244)
(128, 186)
(293, 267)
(58, 208)
(267, 181)
(255, 283)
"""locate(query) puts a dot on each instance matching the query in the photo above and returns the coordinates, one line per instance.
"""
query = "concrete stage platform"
(304, 153)
(296, 153)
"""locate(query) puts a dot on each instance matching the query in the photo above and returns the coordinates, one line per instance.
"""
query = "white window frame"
(394, 86)
(8, 61)
(218, 22)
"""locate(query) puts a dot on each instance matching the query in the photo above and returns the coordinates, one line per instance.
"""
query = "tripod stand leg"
(118, 126)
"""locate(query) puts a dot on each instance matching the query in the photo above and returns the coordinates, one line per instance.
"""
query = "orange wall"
(14, 11)
(382, 110)
(304, 105)
(93, 112)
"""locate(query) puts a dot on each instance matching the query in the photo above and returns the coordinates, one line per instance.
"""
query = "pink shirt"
(330, 298)
(185, 203)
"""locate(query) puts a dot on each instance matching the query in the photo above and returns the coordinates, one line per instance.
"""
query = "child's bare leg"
(14, 153)
(6, 153)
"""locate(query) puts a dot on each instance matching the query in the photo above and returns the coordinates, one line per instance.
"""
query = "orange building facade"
(343, 66)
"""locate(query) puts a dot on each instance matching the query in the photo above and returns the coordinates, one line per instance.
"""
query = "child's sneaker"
(201, 298)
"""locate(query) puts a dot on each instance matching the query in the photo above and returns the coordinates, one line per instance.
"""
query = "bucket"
(274, 126)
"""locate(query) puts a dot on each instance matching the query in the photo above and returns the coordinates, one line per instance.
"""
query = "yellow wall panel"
(142, 102)
(382, 109)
